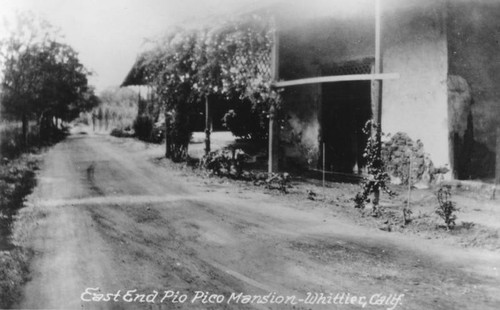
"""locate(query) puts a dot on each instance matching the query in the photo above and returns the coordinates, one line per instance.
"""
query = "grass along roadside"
(17, 180)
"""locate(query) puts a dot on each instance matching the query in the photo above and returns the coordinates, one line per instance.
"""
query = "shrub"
(143, 127)
(447, 208)
(122, 133)
(180, 125)
(279, 181)
(158, 133)
(247, 122)
(225, 162)
(378, 178)
(16, 181)
(230, 162)
(14, 271)
(399, 151)
(11, 139)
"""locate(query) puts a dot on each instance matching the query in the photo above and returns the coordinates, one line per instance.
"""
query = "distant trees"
(42, 78)
(117, 108)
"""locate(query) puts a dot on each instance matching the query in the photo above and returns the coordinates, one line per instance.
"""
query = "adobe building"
(440, 76)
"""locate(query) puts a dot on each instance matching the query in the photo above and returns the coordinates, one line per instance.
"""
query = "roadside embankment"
(17, 180)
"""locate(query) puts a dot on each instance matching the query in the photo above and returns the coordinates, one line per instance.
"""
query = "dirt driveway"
(112, 230)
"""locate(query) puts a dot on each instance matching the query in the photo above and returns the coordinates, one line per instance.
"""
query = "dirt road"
(108, 222)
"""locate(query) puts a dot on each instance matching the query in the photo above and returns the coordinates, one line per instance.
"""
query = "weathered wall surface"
(307, 45)
(460, 126)
(414, 45)
(473, 29)
(300, 126)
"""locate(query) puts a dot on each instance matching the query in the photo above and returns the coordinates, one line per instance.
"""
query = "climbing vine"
(171, 72)
(378, 178)
(230, 60)
(447, 208)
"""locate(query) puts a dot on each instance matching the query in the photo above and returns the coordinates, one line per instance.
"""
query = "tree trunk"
(179, 152)
(208, 124)
(273, 141)
(25, 122)
(497, 168)
(167, 138)
(40, 129)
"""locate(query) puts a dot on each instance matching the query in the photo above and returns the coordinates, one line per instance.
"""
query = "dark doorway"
(346, 108)
(219, 108)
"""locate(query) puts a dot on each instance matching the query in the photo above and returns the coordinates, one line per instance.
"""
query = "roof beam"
(338, 78)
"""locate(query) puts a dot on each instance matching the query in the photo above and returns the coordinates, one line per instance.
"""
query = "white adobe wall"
(414, 45)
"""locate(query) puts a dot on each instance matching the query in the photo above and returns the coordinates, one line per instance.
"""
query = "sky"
(109, 34)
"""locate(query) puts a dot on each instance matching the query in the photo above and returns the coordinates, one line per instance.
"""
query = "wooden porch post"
(273, 128)
(377, 92)
(167, 134)
(377, 84)
(273, 141)
(208, 124)
(497, 168)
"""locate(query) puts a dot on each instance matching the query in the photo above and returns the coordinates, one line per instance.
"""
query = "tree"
(16, 60)
(237, 66)
(189, 67)
(42, 79)
(16, 98)
(172, 73)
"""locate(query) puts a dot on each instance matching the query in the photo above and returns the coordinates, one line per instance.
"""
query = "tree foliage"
(42, 78)
(247, 121)
(231, 60)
